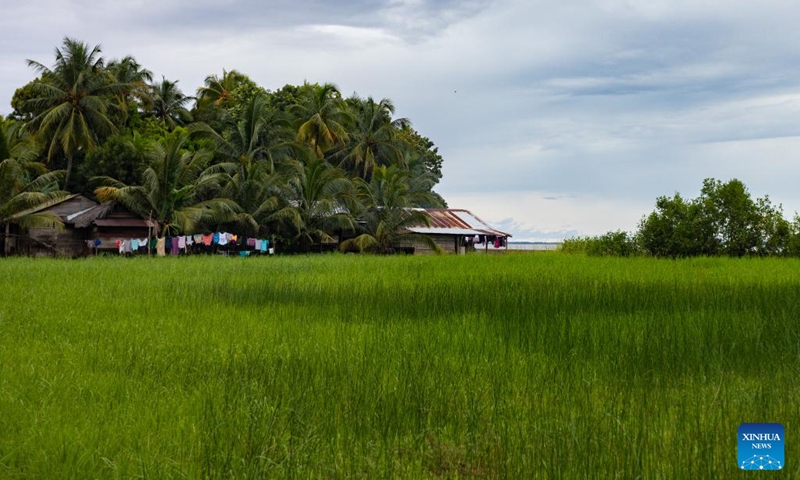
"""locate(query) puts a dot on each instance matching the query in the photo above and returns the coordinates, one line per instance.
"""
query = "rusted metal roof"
(452, 221)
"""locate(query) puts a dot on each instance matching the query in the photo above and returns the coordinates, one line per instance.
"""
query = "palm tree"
(251, 148)
(219, 91)
(259, 135)
(374, 140)
(324, 118)
(129, 72)
(316, 199)
(179, 191)
(73, 99)
(168, 104)
(24, 184)
(388, 212)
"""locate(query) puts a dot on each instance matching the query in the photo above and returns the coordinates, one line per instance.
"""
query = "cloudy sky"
(555, 117)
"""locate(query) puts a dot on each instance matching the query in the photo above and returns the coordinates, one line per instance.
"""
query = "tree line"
(723, 220)
(298, 164)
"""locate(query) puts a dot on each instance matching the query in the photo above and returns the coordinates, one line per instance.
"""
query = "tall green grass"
(514, 366)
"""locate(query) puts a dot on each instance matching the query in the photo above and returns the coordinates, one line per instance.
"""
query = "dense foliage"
(723, 220)
(237, 156)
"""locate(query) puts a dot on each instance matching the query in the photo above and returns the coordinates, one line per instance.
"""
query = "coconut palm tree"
(388, 212)
(374, 139)
(316, 200)
(179, 190)
(73, 99)
(219, 91)
(251, 147)
(323, 118)
(24, 184)
(168, 104)
(128, 72)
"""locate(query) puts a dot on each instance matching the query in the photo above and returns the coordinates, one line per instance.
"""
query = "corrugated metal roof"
(452, 221)
(445, 231)
(43, 206)
(121, 222)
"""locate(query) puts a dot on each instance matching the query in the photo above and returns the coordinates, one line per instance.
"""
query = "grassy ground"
(499, 366)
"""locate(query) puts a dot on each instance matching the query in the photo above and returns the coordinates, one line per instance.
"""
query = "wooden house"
(109, 222)
(457, 231)
(84, 222)
(67, 241)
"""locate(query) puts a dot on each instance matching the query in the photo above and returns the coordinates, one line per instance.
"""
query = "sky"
(555, 118)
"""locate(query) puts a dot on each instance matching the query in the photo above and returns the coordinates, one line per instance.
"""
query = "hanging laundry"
(175, 247)
(208, 239)
(222, 238)
(251, 242)
(160, 247)
(126, 246)
(134, 244)
(182, 243)
(189, 240)
(264, 245)
(97, 243)
(198, 238)
(257, 244)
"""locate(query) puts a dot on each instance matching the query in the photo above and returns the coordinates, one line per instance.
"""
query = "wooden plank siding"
(447, 243)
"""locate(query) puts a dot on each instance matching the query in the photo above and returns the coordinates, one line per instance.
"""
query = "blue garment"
(264, 245)
(216, 238)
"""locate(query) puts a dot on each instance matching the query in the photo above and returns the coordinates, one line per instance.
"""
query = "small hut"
(68, 241)
(109, 222)
(457, 231)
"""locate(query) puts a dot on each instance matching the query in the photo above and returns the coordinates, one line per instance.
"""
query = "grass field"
(501, 366)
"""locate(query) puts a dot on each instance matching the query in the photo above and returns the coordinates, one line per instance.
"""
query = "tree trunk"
(69, 171)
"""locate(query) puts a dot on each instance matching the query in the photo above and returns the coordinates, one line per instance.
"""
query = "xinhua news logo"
(761, 446)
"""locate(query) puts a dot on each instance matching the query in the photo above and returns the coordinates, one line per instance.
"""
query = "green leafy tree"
(678, 228)
(20, 102)
(724, 219)
(178, 190)
(122, 157)
(422, 150)
(74, 100)
(733, 214)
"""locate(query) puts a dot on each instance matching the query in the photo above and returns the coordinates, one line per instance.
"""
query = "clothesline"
(218, 242)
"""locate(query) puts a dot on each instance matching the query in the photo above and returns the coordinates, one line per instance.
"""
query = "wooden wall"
(446, 242)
